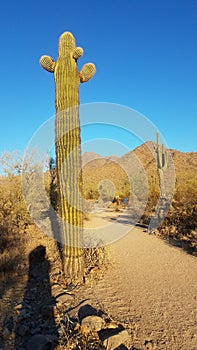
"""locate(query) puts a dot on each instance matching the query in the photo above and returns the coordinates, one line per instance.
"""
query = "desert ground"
(149, 288)
(152, 288)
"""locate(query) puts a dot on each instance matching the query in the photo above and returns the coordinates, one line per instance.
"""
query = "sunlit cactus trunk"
(162, 156)
(162, 163)
(68, 147)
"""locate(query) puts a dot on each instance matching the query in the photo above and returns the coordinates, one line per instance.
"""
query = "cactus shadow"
(35, 324)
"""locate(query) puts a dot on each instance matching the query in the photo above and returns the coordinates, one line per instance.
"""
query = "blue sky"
(145, 53)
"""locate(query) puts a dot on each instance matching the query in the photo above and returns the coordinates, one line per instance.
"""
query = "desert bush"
(14, 218)
(91, 193)
(181, 225)
(183, 219)
(11, 253)
(95, 258)
(186, 191)
(13, 211)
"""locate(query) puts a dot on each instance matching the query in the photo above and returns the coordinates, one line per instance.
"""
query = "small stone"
(64, 298)
(112, 342)
(18, 307)
(148, 344)
(56, 290)
(92, 324)
(173, 229)
(55, 311)
(112, 325)
(56, 271)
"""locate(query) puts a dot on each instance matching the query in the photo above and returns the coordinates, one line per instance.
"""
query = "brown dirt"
(152, 289)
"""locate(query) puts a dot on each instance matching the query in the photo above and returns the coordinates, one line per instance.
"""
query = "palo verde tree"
(68, 147)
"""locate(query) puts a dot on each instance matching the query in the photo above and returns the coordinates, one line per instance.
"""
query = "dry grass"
(11, 255)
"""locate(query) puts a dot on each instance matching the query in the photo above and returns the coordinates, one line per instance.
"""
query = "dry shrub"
(13, 219)
(73, 339)
(11, 254)
(181, 225)
(96, 256)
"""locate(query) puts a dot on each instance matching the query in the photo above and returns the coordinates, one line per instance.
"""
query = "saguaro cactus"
(162, 156)
(68, 146)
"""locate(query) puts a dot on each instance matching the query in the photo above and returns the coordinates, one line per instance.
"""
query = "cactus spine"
(162, 156)
(68, 147)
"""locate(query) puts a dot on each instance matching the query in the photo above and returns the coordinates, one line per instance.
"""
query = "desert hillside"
(97, 168)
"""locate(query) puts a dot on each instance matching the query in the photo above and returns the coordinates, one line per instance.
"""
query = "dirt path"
(151, 287)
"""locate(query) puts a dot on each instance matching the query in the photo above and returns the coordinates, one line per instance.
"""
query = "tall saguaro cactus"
(162, 156)
(68, 146)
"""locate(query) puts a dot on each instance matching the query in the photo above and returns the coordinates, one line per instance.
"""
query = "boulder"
(92, 324)
(113, 341)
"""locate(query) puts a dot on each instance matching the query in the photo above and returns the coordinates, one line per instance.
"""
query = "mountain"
(89, 156)
(141, 164)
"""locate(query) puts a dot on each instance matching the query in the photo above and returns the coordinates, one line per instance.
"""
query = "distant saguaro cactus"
(68, 146)
(162, 156)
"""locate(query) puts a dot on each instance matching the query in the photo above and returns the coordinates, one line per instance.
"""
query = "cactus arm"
(77, 53)
(48, 63)
(87, 72)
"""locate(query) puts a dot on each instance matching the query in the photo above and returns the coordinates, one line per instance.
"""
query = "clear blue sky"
(145, 53)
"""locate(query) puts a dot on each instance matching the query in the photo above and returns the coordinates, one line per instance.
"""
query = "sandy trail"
(152, 287)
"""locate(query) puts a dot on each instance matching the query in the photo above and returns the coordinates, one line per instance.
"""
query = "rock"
(18, 307)
(92, 324)
(148, 344)
(121, 338)
(173, 229)
(56, 271)
(87, 310)
(194, 233)
(56, 290)
(39, 342)
(64, 298)
(112, 325)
